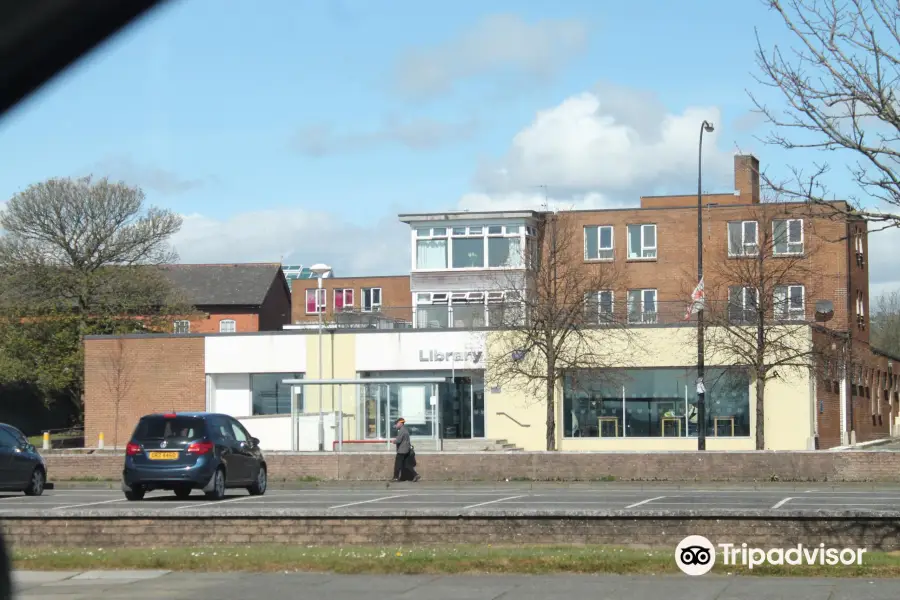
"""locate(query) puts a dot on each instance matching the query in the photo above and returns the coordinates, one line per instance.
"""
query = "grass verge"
(431, 560)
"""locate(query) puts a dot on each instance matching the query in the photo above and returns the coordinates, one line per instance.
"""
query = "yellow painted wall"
(789, 403)
(338, 362)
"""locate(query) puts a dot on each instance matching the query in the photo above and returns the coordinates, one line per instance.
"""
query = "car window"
(158, 427)
(239, 432)
(223, 429)
(6, 439)
(18, 435)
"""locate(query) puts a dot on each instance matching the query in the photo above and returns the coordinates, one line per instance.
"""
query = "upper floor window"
(598, 242)
(466, 309)
(642, 306)
(343, 299)
(471, 246)
(227, 326)
(371, 299)
(742, 238)
(312, 306)
(431, 248)
(599, 307)
(642, 241)
(743, 304)
(182, 327)
(790, 302)
(860, 257)
(787, 236)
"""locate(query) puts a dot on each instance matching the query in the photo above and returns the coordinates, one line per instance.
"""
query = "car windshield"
(157, 427)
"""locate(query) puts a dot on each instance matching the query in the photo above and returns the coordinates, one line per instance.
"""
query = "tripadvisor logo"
(696, 555)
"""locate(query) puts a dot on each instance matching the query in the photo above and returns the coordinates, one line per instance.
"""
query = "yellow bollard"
(46, 440)
(100, 445)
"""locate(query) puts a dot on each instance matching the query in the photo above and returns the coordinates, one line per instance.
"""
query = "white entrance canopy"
(295, 383)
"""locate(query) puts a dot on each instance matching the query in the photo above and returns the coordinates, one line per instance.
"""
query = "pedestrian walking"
(405, 459)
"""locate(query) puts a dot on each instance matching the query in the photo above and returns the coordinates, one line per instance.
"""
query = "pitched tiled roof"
(243, 284)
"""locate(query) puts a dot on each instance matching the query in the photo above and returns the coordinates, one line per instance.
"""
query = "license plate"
(163, 455)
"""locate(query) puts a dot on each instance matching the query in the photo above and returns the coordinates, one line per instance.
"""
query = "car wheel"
(182, 493)
(259, 488)
(135, 493)
(36, 485)
(218, 491)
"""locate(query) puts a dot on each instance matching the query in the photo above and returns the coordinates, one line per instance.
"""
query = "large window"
(465, 310)
(787, 236)
(655, 403)
(313, 307)
(471, 247)
(642, 241)
(431, 248)
(642, 306)
(343, 299)
(790, 302)
(742, 238)
(598, 242)
(599, 307)
(742, 304)
(371, 299)
(271, 396)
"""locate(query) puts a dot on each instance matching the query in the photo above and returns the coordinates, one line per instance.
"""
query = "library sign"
(451, 356)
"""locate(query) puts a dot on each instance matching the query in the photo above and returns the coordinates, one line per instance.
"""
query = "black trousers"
(402, 469)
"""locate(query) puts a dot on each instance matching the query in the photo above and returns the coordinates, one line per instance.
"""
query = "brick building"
(353, 301)
(233, 297)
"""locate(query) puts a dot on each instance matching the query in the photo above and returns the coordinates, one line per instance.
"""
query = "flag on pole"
(698, 301)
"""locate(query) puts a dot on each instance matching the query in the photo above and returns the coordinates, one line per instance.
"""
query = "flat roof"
(464, 215)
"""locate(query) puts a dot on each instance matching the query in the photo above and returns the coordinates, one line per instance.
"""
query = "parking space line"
(644, 501)
(366, 501)
(492, 501)
(192, 505)
(781, 503)
(88, 504)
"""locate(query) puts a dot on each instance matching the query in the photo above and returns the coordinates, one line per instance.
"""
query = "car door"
(245, 451)
(11, 472)
(23, 461)
(228, 449)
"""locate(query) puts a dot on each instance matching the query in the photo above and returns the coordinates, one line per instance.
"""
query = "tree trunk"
(551, 414)
(760, 413)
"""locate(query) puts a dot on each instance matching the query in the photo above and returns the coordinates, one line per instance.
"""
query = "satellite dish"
(824, 310)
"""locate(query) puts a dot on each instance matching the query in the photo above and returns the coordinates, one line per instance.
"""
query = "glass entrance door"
(462, 408)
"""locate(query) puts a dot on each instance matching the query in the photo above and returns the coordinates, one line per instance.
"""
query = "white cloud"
(607, 147)
(884, 271)
(496, 43)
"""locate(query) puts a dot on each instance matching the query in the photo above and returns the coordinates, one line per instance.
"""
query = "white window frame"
(458, 298)
(788, 313)
(644, 249)
(746, 293)
(321, 296)
(343, 292)
(372, 305)
(644, 318)
(484, 231)
(222, 326)
(610, 251)
(787, 230)
(181, 323)
(747, 248)
(597, 297)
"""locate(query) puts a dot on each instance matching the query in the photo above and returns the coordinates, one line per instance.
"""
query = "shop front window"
(655, 403)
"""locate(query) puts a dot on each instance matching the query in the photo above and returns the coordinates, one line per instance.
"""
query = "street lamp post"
(701, 386)
(320, 270)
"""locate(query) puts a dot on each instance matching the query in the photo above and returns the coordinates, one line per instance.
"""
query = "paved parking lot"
(423, 498)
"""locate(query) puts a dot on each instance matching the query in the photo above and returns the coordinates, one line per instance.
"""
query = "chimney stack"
(746, 178)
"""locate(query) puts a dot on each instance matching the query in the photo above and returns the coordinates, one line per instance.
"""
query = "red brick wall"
(244, 321)
(855, 466)
(142, 375)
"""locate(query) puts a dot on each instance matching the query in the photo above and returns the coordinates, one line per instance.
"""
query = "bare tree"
(759, 301)
(885, 323)
(119, 371)
(839, 79)
(560, 318)
(81, 257)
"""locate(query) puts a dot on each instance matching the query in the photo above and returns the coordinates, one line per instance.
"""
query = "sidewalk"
(128, 585)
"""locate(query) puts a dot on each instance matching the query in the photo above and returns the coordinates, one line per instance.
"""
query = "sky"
(297, 131)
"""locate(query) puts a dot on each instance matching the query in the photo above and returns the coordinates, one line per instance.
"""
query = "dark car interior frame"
(38, 40)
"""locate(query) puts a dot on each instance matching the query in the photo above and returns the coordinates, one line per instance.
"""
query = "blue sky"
(300, 129)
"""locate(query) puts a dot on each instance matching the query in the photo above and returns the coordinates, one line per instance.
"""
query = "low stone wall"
(651, 529)
(852, 466)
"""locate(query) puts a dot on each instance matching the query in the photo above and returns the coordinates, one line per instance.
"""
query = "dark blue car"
(182, 452)
(22, 469)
